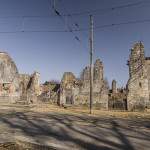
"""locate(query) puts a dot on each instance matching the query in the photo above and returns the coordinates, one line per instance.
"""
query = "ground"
(74, 129)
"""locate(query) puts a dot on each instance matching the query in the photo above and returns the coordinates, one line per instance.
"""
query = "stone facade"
(76, 91)
(138, 96)
(14, 86)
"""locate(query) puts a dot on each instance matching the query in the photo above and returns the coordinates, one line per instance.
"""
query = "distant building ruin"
(76, 91)
(114, 86)
(138, 96)
(50, 91)
(26, 89)
(117, 97)
(15, 87)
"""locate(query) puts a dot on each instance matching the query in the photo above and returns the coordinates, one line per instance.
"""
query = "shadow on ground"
(80, 131)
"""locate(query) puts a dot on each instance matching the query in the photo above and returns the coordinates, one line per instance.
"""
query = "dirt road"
(74, 131)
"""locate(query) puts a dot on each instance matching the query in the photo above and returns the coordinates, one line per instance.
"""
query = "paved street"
(64, 131)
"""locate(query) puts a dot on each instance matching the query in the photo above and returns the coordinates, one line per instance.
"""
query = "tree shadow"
(84, 132)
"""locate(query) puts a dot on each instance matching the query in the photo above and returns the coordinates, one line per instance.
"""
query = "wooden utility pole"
(91, 62)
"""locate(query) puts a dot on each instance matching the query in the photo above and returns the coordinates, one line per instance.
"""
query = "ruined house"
(49, 92)
(138, 96)
(15, 87)
(117, 99)
(76, 91)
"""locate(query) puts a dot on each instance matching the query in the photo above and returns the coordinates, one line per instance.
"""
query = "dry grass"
(45, 108)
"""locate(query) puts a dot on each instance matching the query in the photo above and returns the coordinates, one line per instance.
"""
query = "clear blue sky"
(51, 54)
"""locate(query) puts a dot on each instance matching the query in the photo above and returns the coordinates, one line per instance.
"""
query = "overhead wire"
(76, 26)
(86, 29)
(117, 24)
(109, 9)
(100, 10)
(64, 21)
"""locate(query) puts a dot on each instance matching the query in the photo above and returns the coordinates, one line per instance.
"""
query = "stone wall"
(9, 84)
(50, 92)
(76, 91)
(148, 75)
(15, 87)
(29, 87)
(24, 81)
(114, 86)
(138, 83)
(67, 88)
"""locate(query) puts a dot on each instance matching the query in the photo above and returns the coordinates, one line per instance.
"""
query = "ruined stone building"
(76, 91)
(50, 92)
(15, 87)
(29, 87)
(138, 96)
(117, 97)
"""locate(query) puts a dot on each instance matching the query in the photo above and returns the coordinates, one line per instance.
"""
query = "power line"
(107, 9)
(64, 21)
(84, 29)
(74, 25)
(83, 12)
(117, 24)
(123, 23)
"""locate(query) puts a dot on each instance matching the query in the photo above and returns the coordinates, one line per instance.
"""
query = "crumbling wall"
(148, 75)
(9, 85)
(138, 88)
(114, 86)
(67, 88)
(24, 81)
(76, 91)
(15, 87)
(30, 87)
(50, 91)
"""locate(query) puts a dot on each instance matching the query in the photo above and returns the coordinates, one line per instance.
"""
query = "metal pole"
(91, 62)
